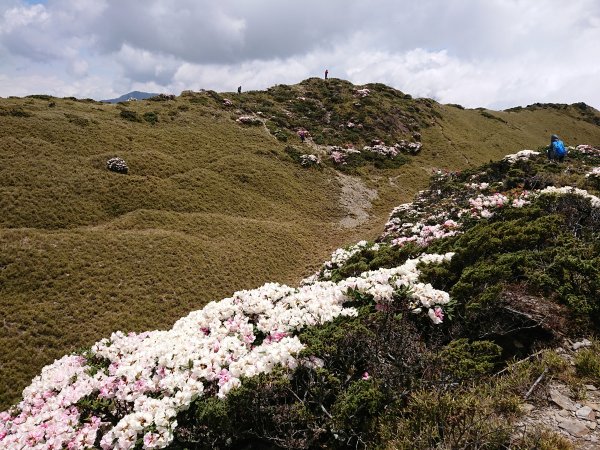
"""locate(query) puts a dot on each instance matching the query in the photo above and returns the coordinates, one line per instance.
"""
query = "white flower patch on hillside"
(523, 154)
(150, 377)
(551, 190)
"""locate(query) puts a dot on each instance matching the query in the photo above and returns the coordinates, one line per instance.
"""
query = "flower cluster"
(435, 214)
(551, 190)
(339, 155)
(423, 234)
(340, 256)
(249, 120)
(481, 205)
(309, 160)
(588, 149)
(383, 150)
(408, 147)
(381, 285)
(594, 173)
(151, 377)
(478, 186)
(522, 155)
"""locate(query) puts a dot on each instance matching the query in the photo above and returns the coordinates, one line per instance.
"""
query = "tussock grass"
(208, 207)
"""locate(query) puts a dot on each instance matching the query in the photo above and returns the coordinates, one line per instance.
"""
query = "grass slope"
(209, 206)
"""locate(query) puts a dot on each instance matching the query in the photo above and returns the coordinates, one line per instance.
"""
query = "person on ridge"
(556, 150)
(326, 73)
(239, 89)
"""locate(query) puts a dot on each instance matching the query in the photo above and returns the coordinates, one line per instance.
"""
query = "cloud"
(496, 53)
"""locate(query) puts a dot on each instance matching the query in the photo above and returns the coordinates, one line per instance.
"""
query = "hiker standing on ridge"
(556, 150)
(239, 89)
(326, 73)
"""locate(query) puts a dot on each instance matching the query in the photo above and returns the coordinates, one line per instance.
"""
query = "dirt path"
(356, 199)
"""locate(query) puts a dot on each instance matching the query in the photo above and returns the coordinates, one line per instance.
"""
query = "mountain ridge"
(133, 95)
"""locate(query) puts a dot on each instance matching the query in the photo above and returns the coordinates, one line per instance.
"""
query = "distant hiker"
(556, 150)
(302, 135)
(326, 73)
(239, 89)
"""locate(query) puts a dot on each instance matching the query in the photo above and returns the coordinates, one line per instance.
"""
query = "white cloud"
(495, 53)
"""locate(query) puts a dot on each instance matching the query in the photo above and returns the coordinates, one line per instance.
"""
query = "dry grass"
(208, 207)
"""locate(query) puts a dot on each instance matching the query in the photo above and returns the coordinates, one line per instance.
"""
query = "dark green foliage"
(355, 160)
(293, 153)
(463, 360)
(41, 96)
(77, 120)
(14, 112)
(463, 419)
(362, 400)
(132, 116)
(587, 363)
(151, 117)
(537, 252)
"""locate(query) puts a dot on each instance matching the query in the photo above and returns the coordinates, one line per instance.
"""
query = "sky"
(477, 53)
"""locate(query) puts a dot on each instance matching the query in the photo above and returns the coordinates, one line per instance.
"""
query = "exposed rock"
(585, 413)
(117, 165)
(594, 406)
(563, 413)
(583, 343)
(562, 400)
(574, 427)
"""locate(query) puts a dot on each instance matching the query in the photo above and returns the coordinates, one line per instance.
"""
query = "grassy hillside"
(209, 205)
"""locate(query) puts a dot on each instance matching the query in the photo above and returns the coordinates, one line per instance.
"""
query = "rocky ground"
(571, 410)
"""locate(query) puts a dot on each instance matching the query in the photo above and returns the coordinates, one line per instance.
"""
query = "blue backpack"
(559, 148)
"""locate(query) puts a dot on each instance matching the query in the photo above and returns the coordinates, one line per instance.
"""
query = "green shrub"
(463, 360)
(77, 120)
(15, 112)
(354, 410)
(541, 439)
(151, 117)
(451, 420)
(587, 363)
(132, 116)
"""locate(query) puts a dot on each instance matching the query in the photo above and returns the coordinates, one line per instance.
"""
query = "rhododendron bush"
(148, 378)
